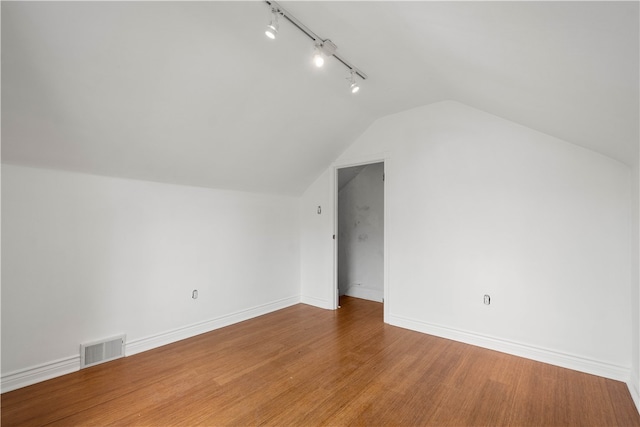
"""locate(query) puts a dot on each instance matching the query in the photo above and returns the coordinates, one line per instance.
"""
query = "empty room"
(320, 213)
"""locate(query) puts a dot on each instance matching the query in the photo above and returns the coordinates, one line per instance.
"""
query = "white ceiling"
(194, 93)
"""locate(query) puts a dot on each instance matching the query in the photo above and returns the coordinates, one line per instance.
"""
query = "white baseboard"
(316, 302)
(35, 374)
(143, 344)
(569, 361)
(365, 293)
(46, 371)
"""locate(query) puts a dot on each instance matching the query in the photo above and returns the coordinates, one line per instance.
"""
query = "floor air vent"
(101, 351)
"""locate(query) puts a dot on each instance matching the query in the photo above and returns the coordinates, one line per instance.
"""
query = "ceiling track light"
(353, 85)
(272, 28)
(322, 46)
(318, 58)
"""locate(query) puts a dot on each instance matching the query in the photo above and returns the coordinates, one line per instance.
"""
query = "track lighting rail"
(317, 39)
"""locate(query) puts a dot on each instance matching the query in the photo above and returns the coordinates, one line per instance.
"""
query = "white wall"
(87, 257)
(479, 205)
(361, 235)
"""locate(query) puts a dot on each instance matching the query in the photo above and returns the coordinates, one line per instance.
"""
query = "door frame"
(378, 158)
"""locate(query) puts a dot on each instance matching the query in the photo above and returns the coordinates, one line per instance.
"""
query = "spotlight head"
(353, 86)
(318, 60)
(272, 30)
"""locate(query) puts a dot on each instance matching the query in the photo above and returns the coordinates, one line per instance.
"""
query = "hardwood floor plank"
(303, 366)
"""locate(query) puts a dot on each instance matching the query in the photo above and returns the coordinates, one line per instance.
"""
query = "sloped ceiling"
(194, 93)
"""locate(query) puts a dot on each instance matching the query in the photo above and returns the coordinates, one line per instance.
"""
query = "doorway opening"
(360, 232)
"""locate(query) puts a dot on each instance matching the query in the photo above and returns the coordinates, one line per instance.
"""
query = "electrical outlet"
(487, 299)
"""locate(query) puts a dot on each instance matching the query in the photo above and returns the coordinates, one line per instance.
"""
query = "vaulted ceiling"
(194, 93)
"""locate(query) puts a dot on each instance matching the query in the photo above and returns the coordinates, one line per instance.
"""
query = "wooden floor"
(303, 366)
